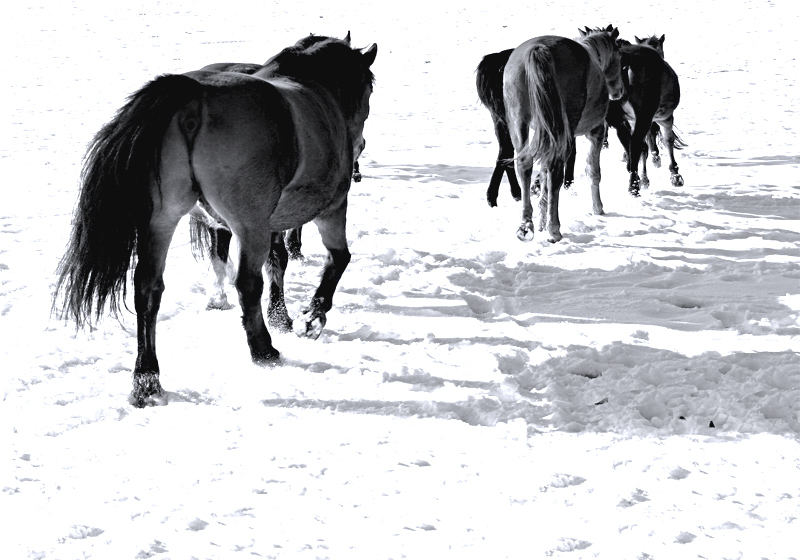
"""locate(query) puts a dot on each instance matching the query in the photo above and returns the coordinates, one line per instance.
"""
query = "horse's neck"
(595, 50)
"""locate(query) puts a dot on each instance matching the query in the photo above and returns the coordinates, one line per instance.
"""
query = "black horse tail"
(552, 138)
(677, 142)
(489, 82)
(121, 163)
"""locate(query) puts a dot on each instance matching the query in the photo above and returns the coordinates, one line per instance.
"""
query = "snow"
(629, 392)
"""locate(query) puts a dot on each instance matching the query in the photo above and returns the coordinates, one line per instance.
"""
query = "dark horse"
(267, 151)
(559, 88)
(489, 82)
(210, 235)
(653, 94)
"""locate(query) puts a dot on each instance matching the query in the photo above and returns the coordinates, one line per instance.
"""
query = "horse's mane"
(591, 36)
(328, 61)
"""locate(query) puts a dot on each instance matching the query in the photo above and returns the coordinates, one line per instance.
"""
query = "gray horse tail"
(114, 202)
(552, 138)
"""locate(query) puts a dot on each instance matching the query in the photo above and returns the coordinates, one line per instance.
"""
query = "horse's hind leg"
(555, 177)
(170, 200)
(250, 285)
(669, 140)
(507, 158)
(294, 242)
(220, 253)
(277, 315)
(152, 245)
(332, 228)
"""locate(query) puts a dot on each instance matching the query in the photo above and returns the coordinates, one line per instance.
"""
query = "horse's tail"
(552, 137)
(489, 82)
(202, 225)
(121, 163)
(677, 142)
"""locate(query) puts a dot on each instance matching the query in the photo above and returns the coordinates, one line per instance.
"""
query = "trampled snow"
(629, 392)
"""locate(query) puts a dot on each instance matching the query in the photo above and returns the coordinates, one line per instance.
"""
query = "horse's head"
(603, 42)
(343, 70)
(653, 42)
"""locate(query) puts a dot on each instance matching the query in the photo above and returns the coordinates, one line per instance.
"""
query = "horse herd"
(258, 150)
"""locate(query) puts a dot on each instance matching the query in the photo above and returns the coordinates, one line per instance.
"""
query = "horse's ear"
(614, 33)
(609, 28)
(347, 37)
(370, 54)
(640, 41)
(588, 29)
(582, 32)
(661, 39)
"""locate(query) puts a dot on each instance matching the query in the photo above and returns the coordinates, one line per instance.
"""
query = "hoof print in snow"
(197, 524)
(637, 497)
(679, 473)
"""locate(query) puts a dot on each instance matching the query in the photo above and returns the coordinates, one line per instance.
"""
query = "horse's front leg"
(250, 285)
(637, 146)
(652, 144)
(569, 169)
(275, 267)
(332, 230)
(645, 180)
(595, 137)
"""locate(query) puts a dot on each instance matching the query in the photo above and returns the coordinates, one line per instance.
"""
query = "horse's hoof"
(147, 390)
(525, 231)
(265, 357)
(676, 180)
(555, 237)
(219, 303)
(357, 177)
(605, 143)
(492, 203)
(311, 321)
(645, 182)
(310, 326)
(656, 159)
(567, 184)
(598, 210)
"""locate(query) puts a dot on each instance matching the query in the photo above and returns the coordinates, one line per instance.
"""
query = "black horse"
(652, 95)
(267, 152)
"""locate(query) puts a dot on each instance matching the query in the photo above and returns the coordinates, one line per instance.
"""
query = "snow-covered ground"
(632, 391)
